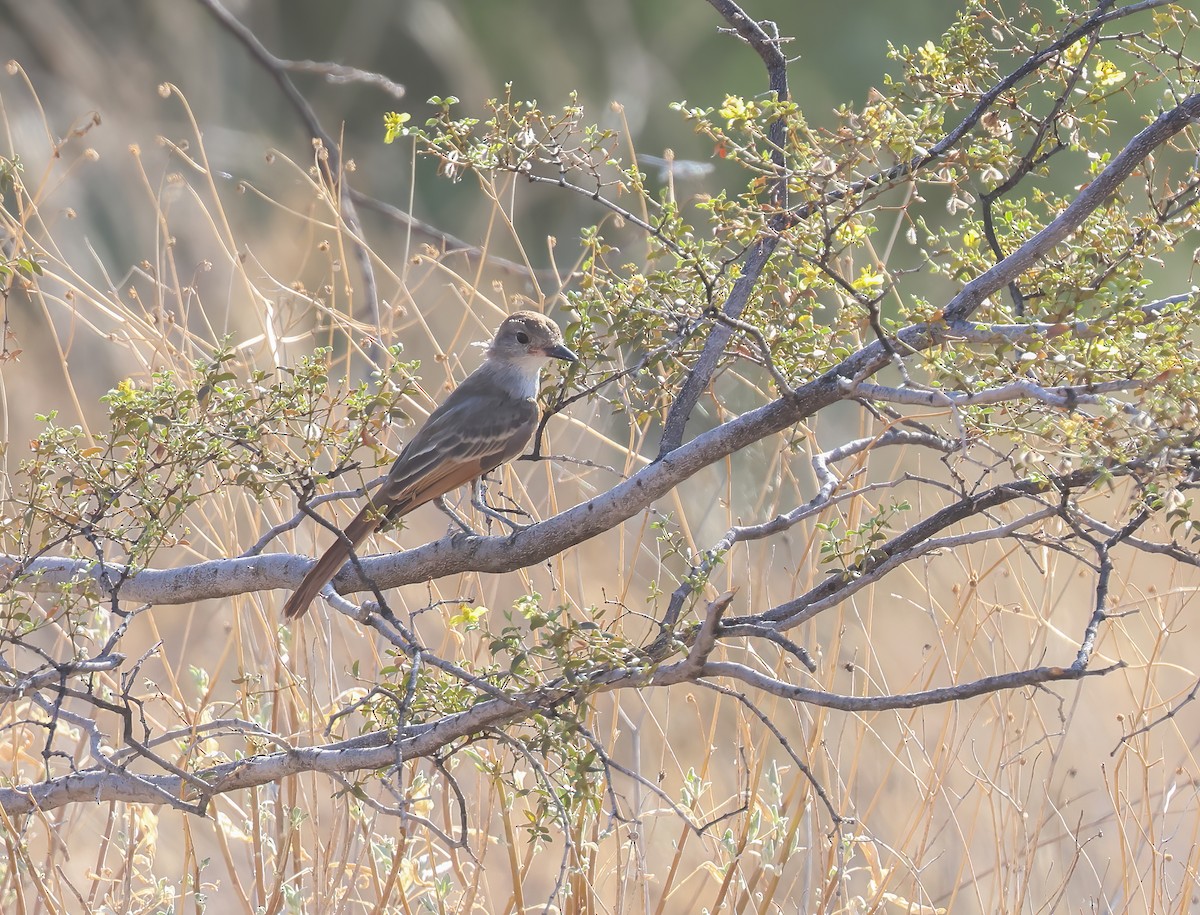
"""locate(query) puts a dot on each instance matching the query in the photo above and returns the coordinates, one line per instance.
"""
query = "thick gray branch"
(1097, 193)
(370, 751)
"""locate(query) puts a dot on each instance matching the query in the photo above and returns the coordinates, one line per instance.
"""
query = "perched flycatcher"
(486, 420)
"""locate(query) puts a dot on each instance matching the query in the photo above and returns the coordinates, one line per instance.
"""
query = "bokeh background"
(110, 59)
(1029, 803)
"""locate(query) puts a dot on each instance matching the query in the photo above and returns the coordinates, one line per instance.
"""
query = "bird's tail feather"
(364, 523)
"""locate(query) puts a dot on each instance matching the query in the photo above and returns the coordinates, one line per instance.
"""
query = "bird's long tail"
(364, 523)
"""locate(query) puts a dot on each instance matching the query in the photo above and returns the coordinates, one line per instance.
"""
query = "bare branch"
(1028, 334)
(767, 47)
(1065, 396)
(982, 687)
(341, 73)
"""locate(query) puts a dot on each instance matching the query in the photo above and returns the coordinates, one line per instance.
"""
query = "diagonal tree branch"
(767, 48)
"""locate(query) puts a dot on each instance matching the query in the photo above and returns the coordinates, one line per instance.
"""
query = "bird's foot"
(459, 521)
(479, 503)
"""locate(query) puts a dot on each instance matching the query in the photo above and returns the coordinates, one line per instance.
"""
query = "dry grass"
(1025, 801)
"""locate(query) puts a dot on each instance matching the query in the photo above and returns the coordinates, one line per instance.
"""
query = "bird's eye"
(522, 337)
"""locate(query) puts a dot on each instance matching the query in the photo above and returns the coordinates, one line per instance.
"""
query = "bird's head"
(527, 335)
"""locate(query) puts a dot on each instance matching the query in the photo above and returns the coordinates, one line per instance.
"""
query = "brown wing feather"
(473, 432)
(457, 457)
(487, 427)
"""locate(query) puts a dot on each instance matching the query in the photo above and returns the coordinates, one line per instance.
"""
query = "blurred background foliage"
(99, 198)
(110, 58)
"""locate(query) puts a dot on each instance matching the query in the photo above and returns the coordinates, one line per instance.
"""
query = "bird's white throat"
(519, 377)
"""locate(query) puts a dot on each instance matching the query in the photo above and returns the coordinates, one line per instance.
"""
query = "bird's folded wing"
(460, 441)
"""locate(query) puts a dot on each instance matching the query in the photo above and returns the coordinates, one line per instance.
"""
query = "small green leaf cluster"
(23, 266)
(181, 437)
(768, 835)
(856, 550)
(535, 646)
(542, 643)
(518, 136)
(13, 266)
(555, 768)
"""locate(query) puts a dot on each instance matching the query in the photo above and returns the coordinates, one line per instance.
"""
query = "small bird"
(486, 420)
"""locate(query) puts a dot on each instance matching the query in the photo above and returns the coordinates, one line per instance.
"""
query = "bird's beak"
(559, 351)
